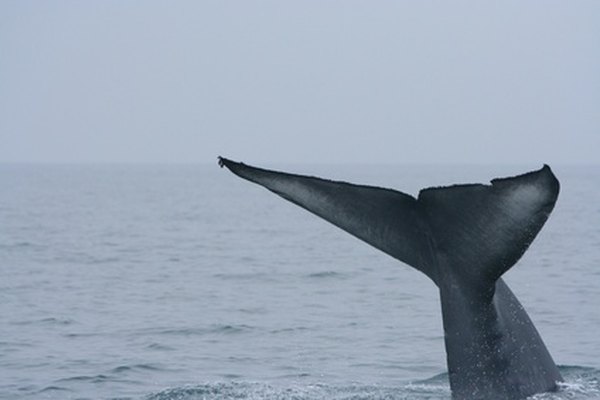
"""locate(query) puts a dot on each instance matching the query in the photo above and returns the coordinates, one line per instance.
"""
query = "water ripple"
(326, 274)
(53, 389)
(135, 368)
(220, 329)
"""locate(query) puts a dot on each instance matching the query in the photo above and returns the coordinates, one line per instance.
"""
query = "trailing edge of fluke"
(463, 237)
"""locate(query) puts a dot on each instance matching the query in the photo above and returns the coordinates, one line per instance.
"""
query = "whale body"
(463, 237)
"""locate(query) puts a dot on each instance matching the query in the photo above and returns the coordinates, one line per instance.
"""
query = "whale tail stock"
(463, 237)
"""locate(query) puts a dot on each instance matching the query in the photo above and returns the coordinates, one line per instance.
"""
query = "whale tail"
(481, 230)
(463, 237)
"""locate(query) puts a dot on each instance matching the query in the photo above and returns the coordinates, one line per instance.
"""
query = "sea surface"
(185, 282)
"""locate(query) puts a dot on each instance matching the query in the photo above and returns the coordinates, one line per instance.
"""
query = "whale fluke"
(394, 226)
(463, 237)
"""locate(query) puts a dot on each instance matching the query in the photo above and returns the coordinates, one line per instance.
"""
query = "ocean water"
(186, 282)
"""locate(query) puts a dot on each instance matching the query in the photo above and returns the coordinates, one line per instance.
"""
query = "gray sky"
(300, 81)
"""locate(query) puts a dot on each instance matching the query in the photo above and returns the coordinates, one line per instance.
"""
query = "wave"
(135, 368)
(305, 392)
(212, 329)
(580, 383)
(326, 274)
(99, 378)
(46, 321)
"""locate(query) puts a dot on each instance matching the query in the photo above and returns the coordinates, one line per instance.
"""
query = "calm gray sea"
(185, 282)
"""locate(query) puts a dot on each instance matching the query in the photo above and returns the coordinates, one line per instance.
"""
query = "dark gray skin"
(463, 237)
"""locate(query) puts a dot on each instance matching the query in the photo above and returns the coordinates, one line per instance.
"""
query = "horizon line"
(279, 162)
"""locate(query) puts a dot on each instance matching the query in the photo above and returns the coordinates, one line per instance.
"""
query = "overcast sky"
(300, 81)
